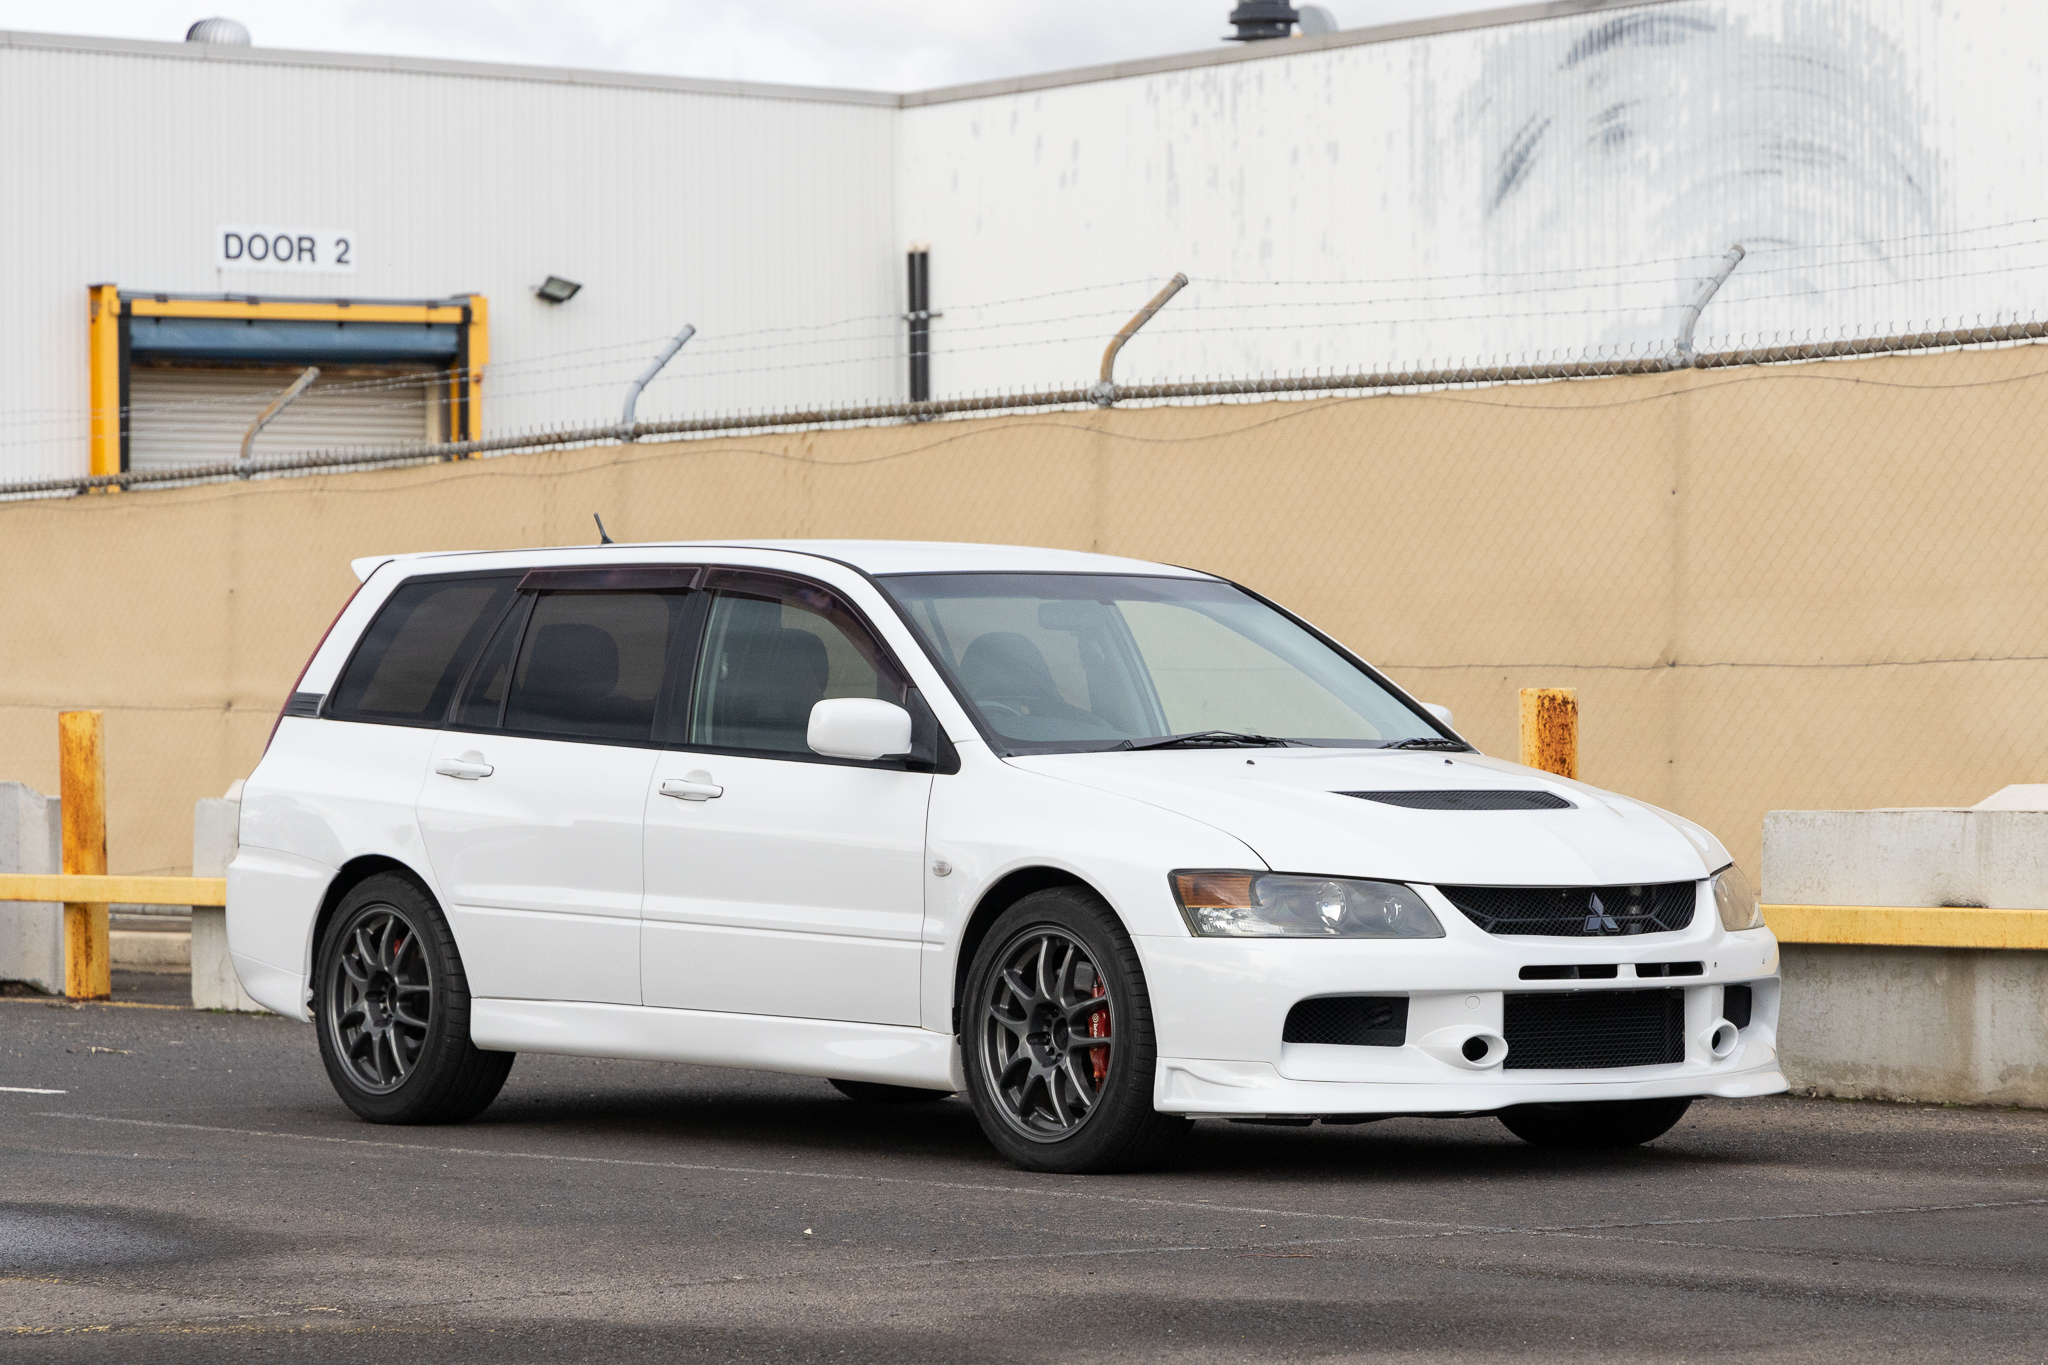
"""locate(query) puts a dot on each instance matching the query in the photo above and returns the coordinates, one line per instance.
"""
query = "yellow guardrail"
(76, 889)
(1909, 926)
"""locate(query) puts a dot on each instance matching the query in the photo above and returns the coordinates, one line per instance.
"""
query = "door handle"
(469, 767)
(695, 787)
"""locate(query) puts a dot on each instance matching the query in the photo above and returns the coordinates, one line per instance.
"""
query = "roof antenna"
(603, 536)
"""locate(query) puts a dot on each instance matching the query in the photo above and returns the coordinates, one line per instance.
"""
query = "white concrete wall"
(31, 933)
(1940, 1025)
(1906, 857)
(216, 834)
(1949, 1025)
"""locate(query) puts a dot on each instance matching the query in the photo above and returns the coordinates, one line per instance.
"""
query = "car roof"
(869, 556)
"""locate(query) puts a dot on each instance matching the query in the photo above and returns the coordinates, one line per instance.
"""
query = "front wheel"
(391, 1009)
(1057, 1040)
(1591, 1125)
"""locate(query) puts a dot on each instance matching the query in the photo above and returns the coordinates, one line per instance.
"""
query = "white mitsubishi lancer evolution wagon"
(1106, 845)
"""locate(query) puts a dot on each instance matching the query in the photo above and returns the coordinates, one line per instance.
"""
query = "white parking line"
(30, 1090)
(1466, 1229)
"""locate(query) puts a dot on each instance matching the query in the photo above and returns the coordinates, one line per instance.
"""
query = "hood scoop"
(1467, 800)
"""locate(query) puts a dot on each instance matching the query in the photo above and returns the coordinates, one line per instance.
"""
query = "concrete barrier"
(216, 834)
(31, 932)
(1957, 1023)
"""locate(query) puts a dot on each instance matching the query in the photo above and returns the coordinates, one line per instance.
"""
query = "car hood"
(1289, 806)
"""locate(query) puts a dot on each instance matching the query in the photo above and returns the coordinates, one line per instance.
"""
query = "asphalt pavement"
(191, 1190)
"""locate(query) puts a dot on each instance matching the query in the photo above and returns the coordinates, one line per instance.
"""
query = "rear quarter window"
(414, 654)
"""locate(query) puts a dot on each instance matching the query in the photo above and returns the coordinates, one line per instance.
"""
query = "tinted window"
(590, 664)
(415, 652)
(483, 697)
(769, 656)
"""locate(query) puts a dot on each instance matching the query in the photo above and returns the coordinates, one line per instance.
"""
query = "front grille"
(1576, 911)
(1455, 800)
(1349, 1021)
(1574, 1030)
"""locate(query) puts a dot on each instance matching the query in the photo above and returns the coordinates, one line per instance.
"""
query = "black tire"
(1590, 1126)
(386, 951)
(1042, 1108)
(873, 1092)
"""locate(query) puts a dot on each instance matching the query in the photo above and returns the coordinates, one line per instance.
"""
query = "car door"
(780, 882)
(532, 805)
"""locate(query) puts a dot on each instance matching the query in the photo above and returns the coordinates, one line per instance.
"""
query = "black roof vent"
(1260, 19)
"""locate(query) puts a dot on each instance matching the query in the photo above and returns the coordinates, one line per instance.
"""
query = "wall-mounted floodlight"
(558, 290)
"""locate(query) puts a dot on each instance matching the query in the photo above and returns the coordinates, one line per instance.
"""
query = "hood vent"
(1479, 800)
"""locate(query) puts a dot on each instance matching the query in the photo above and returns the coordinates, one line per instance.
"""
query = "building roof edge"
(1012, 85)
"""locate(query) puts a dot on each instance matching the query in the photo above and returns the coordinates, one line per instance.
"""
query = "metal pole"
(1104, 392)
(920, 319)
(1550, 729)
(674, 344)
(1708, 288)
(246, 465)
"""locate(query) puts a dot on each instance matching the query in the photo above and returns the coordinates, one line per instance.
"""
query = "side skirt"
(885, 1053)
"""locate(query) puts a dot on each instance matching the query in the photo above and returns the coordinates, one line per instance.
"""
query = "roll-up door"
(181, 415)
(177, 379)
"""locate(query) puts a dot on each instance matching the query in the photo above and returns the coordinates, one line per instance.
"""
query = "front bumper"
(1220, 1007)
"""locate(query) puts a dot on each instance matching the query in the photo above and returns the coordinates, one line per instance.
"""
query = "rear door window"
(589, 666)
(406, 669)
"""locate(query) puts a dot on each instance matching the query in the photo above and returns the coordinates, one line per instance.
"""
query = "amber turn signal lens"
(1214, 890)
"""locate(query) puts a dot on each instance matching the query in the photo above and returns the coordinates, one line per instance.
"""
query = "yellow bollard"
(1550, 730)
(82, 764)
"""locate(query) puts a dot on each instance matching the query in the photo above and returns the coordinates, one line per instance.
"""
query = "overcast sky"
(875, 44)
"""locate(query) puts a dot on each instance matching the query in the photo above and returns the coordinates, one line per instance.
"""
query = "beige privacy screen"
(1819, 585)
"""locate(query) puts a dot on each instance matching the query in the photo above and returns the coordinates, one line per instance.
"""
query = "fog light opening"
(1722, 1040)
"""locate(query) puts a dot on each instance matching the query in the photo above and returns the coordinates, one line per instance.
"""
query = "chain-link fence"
(1773, 585)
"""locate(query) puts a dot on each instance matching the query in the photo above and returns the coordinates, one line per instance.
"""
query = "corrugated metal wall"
(736, 213)
(1542, 187)
(1519, 190)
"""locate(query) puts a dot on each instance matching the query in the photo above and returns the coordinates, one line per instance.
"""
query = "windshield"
(1069, 662)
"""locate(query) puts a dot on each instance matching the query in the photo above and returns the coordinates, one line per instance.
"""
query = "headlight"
(1278, 905)
(1736, 901)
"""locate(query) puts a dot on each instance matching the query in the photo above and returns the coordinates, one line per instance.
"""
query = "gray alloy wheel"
(1056, 1039)
(1048, 1036)
(379, 996)
(391, 1009)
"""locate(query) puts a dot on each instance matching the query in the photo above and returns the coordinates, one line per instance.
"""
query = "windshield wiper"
(1207, 739)
(1432, 742)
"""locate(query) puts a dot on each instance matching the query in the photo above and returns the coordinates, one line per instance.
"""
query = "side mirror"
(1442, 713)
(858, 727)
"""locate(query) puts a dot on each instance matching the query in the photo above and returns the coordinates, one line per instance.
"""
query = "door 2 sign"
(241, 246)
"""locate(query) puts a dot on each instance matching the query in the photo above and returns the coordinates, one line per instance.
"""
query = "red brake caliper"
(1098, 1027)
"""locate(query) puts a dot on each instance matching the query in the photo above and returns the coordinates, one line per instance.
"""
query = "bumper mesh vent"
(1576, 911)
(1455, 800)
(1349, 1021)
(1576, 1030)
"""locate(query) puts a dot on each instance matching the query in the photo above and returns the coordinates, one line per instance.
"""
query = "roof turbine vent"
(226, 32)
(1260, 19)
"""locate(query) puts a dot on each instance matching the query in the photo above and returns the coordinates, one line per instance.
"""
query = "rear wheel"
(1057, 1040)
(874, 1092)
(391, 1009)
(1595, 1124)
